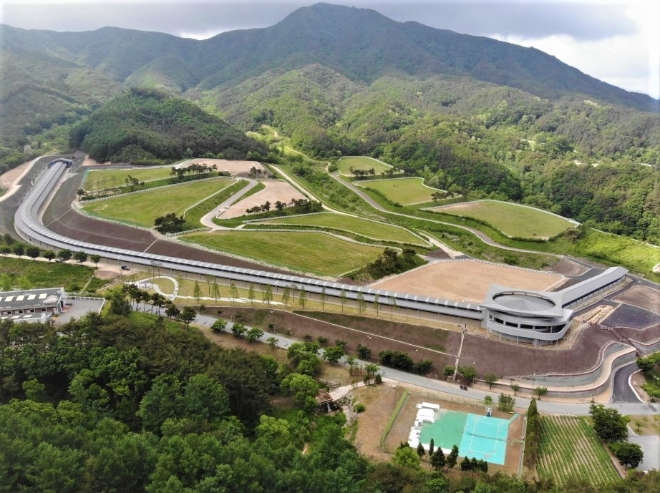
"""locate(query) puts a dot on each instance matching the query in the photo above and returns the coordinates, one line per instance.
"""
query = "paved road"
(622, 392)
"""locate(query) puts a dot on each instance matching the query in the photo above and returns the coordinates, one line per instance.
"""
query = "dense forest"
(134, 403)
(148, 126)
(592, 162)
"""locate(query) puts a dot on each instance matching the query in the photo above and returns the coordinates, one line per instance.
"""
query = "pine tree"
(438, 459)
(452, 458)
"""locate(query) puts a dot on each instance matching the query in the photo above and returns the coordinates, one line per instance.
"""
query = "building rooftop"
(30, 298)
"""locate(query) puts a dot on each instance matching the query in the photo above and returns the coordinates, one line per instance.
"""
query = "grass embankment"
(620, 250)
(352, 224)
(316, 253)
(393, 418)
(405, 191)
(112, 178)
(141, 209)
(512, 219)
(194, 215)
(330, 192)
(16, 273)
(569, 447)
(362, 163)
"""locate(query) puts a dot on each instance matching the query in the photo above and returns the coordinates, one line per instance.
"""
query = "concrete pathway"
(207, 219)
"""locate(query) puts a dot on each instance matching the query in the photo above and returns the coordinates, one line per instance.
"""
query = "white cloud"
(628, 61)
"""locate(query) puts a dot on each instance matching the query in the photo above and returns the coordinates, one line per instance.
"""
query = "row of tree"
(34, 252)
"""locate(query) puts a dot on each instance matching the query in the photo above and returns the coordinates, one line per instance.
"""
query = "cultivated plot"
(511, 219)
(141, 209)
(316, 253)
(362, 163)
(111, 178)
(405, 191)
(352, 224)
(466, 280)
(570, 448)
(275, 190)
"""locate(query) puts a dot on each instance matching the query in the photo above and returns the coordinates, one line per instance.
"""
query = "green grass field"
(370, 229)
(512, 219)
(141, 209)
(316, 253)
(405, 191)
(622, 251)
(110, 178)
(362, 163)
(17, 273)
(569, 448)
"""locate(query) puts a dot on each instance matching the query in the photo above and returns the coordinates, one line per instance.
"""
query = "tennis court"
(476, 436)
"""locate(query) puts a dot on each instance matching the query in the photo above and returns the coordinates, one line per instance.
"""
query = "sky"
(615, 41)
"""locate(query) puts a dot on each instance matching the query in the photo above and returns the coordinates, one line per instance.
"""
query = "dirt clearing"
(642, 296)
(274, 191)
(467, 280)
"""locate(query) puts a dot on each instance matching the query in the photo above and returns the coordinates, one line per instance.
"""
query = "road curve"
(621, 389)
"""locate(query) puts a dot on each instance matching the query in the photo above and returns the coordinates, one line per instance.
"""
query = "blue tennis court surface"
(484, 438)
(476, 436)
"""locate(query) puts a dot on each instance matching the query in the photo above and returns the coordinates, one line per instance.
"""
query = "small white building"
(32, 305)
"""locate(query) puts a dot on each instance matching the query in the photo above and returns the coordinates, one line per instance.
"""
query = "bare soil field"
(466, 280)
(567, 267)
(380, 401)
(642, 296)
(631, 316)
(234, 167)
(401, 428)
(645, 336)
(9, 181)
(88, 161)
(275, 190)
(485, 354)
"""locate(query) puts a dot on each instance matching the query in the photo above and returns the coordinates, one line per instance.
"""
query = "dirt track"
(466, 280)
(642, 296)
(274, 191)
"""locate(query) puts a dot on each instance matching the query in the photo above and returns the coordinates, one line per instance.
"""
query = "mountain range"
(360, 44)
(472, 112)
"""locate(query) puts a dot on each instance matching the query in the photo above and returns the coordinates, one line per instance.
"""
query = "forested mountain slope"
(147, 126)
(461, 111)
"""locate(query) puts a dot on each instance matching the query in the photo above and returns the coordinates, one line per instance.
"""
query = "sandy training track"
(642, 296)
(10, 179)
(274, 191)
(466, 280)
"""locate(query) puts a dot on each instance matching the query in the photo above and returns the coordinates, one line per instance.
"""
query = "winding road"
(621, 388)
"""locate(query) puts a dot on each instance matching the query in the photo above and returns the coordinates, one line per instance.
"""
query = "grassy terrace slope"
(109, 178)
(405, 191)
(363, 163)
(570, 448)
(141, 209)
(511, 219)
(316, 253)
(370, 229)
